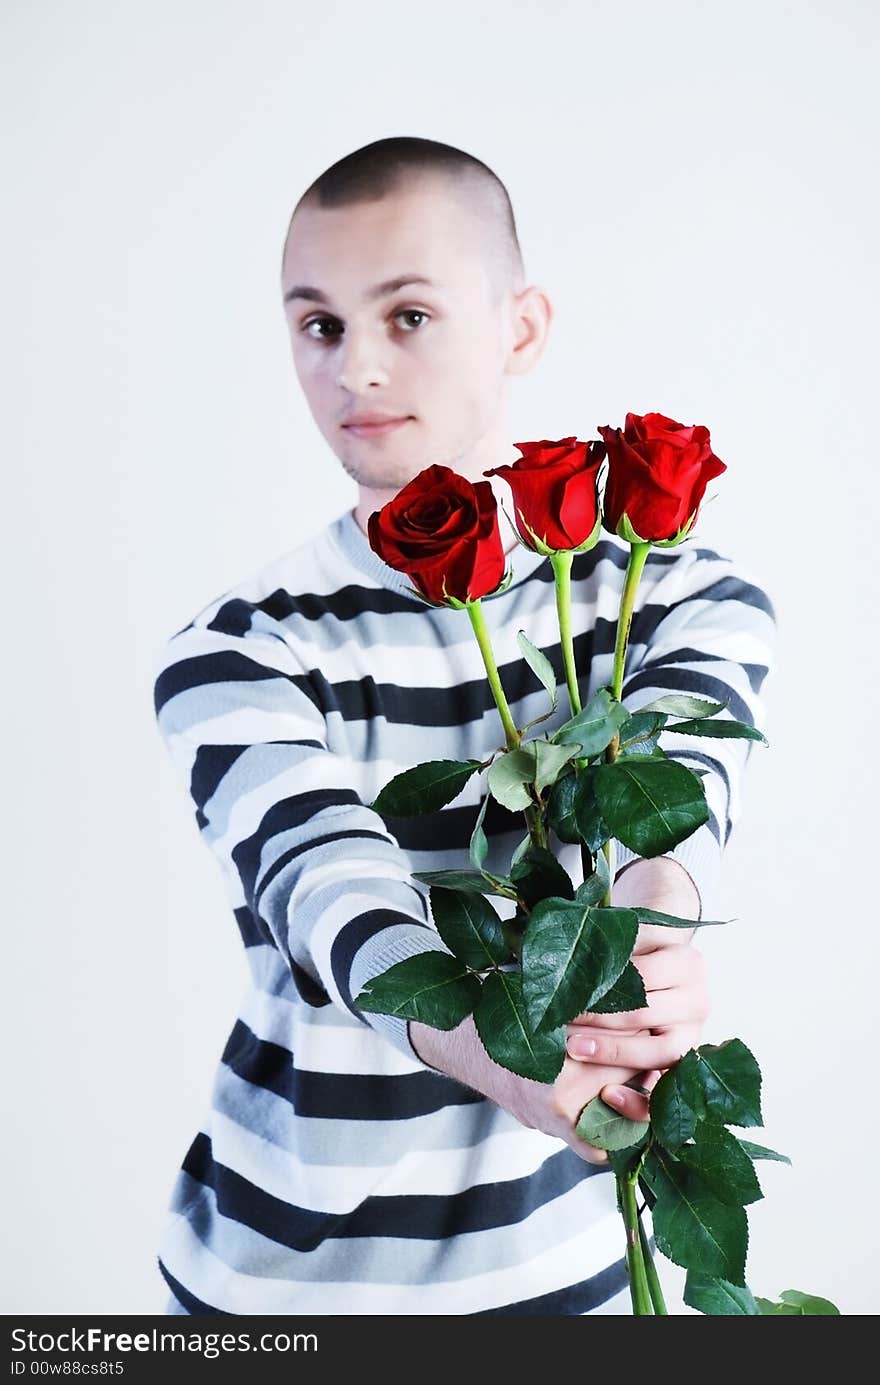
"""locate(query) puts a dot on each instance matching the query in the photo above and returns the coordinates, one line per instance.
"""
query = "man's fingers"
(627, 1102)
(631, 1051)
(590, 1153)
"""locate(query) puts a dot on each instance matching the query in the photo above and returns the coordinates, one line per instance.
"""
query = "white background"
(693, 186)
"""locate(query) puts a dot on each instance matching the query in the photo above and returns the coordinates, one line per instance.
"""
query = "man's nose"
(361, 362)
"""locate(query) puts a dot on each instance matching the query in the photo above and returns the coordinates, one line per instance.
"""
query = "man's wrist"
(458, 1053)
(657, 882)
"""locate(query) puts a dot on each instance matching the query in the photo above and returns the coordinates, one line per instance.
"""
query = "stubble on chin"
(380, 476)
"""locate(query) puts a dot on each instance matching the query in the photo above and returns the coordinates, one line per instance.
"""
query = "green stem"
(654, 1287)
(478, 621)
(561, 564)
(642, 1304)
(512, 735)
(638, 553)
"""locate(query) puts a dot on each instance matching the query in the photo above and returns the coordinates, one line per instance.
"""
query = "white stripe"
(591, 1240)
(338, 1189)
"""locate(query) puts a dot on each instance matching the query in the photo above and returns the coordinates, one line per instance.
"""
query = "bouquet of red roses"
(599, 777)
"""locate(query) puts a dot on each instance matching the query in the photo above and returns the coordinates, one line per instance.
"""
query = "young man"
(351, 1162)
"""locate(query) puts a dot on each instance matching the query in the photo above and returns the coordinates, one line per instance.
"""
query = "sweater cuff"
(383, 950)
(699, 854)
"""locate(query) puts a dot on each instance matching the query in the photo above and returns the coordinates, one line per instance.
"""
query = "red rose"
(657, 473)
(442, 531)
(555, 499)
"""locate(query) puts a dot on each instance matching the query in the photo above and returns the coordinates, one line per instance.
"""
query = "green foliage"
(594, 888)
(607, 1129)
(720, 1160)
(477, 881)
(677, 1102)
(469, 927)
(719, 729)
(510, 775)
(650, 805)
(478, 849)
(595, 726)
(424, 788)
(573, 812)
(537, 874)
(560, 808)
(539, 664)
(639, 733)
(794, 1304)
(431, 987)
(627, 993)
(730, 1080)
(507, 1036)
(761, 1152)
(693, 1227)
(719, 1297)
(684, 705)
(571, 954)
(550, 760)
(675, 920)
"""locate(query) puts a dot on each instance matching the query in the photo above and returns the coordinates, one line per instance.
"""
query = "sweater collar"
(356, 546)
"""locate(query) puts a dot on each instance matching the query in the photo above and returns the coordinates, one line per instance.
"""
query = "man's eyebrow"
(377, 291)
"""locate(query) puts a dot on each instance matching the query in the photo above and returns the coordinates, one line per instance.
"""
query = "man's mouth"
(375, 427)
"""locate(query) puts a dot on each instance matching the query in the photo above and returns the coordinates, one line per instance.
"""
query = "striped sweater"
(333, 1171)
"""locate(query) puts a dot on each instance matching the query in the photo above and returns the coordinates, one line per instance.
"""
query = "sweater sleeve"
(707, 628)
(311, 869)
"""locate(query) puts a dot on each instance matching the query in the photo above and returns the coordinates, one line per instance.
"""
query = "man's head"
(438, 354)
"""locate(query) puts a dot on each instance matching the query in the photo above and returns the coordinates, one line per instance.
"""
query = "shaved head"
(391, 165)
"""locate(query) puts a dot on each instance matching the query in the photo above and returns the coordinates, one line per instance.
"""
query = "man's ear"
(531, 314)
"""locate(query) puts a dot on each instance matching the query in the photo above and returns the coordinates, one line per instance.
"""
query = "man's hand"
(656, 1036)
(637, 1044)
(674, 974)
(553, 1107)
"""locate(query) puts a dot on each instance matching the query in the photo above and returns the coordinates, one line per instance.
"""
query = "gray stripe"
(402, 1260)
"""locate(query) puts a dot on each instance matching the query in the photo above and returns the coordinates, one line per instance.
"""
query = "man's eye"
(411, 312)
(319, 322)
(316, 322)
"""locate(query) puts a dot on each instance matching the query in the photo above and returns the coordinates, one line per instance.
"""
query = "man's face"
(435, 354)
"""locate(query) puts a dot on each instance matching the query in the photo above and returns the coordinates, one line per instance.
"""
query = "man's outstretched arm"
(657, 883)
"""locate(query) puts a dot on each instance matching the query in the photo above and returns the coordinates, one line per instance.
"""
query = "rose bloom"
(657, 475)
(555, 498)
(442, 531)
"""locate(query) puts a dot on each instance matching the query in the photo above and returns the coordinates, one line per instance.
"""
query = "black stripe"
(189, 1301)
(431, 1217)
(756, 672)
(223, 666)
(253, 928)
(575, 1298)
(715, 766)
(364, 698)
(353, 601)
(213, 762)
(728, 588)
(687, 681)
(252, 933)
(286, 857)
(283, 816)
(351, 938)
(257, 934)
(339, 1096)
(210, 765)
(234, 617)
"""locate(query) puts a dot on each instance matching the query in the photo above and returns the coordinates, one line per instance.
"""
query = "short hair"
(371, 172)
